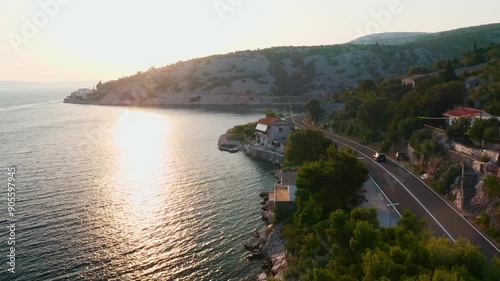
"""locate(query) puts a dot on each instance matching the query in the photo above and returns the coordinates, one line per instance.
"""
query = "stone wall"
(476, 152)
(264, 154)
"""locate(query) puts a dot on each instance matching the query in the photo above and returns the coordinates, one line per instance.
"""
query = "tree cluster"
(388, 112)
(350, 245)
(330, 183)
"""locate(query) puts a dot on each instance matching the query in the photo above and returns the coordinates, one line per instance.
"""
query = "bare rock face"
(270, 246)
(268, 216)
(482, 204)
(275, 243)
(264, 233)
(262, 277)
(279, 264)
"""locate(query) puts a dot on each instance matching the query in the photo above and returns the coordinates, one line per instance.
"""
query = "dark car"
(379, 157)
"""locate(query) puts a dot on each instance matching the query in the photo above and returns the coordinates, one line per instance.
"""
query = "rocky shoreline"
(268, 244)
(226, 144)
(77, 101)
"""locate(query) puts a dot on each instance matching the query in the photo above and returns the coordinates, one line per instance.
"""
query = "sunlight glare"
(140, 139)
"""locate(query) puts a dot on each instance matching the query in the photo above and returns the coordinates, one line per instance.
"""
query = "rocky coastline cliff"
(268, 244)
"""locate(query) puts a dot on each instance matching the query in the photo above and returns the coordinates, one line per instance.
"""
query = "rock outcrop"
(269, 244)
(482, 204)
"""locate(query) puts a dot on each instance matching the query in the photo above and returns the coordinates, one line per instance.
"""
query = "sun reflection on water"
(141, 141)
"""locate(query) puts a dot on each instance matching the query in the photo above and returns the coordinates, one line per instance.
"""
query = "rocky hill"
(389, 38)
(286, 75)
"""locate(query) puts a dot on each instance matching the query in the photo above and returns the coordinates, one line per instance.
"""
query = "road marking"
(407, 190)
(460, 215)
(386, 198)
(447, 203)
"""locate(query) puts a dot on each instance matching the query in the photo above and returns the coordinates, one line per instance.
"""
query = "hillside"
(285, 75)
(389, 38)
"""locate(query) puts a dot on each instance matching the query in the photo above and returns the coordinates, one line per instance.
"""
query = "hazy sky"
(74, 40)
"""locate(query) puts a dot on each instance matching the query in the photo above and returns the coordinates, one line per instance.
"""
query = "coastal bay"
(105, 196)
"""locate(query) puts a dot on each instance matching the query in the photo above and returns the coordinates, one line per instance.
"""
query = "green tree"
(492, 187)
(440, 64)
(306, 145)
(419, 69)
(314, 110)
(418, 138)
(484, 129)
(367, 85)
(333, 183)
(448, 74)
(458, 130)
(410, 222)
(393, 90)
(471, 257)
(271, 113)
(441, 98)
(377, 265)
(374, 114)
(445, 275)
(362, 239)
(407, 126)
(493, 270)
(441, 253)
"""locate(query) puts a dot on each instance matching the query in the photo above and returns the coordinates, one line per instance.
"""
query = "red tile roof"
(269, 121)
(463, 112)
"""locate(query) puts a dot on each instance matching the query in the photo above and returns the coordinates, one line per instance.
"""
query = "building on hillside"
(272, 133)
(414, 79)
(472, 83)
(284, 191)
(465, 112)
(82, 93)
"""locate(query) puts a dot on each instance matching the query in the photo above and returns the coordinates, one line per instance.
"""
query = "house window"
(281, 130)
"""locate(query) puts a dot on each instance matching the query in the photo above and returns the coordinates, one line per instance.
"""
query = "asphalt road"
(403, 187)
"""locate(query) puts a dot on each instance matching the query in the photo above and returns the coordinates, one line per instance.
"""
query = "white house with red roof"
(466, 112)
(272, 133)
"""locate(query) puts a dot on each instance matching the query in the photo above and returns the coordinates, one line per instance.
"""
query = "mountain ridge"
(284, 75)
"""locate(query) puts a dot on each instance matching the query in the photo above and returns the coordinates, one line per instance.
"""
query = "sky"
(92, 40)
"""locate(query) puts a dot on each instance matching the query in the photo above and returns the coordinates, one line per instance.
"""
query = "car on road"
(379, 157)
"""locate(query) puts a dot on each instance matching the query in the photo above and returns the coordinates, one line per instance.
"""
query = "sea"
(123, 193)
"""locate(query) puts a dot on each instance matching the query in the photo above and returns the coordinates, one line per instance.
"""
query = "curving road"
(403, 187)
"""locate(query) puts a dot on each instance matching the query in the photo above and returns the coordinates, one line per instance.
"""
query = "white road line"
(407, 190)
(447, 203)
(409, 172)
(386, 198)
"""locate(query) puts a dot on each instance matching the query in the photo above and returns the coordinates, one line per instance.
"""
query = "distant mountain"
(389, 38)
(284, 75)
(456, 42)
